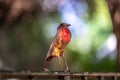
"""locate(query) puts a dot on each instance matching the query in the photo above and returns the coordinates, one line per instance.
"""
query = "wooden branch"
(54, 75)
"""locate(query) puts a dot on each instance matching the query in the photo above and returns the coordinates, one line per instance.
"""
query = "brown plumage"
(60, 41)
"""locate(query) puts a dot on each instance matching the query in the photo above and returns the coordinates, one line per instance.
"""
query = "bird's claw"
(68, 70)
(45, 69)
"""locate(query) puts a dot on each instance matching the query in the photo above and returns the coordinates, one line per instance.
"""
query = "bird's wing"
(55, 43)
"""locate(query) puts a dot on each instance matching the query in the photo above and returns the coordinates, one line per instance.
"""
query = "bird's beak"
(68, 24)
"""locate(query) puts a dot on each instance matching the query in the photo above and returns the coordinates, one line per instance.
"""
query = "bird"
(60, 41)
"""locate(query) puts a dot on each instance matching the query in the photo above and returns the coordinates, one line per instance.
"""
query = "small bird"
(60, 41)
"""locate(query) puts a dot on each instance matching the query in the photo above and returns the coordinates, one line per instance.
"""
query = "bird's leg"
(67, 68)
(45, 66)
(60, 63)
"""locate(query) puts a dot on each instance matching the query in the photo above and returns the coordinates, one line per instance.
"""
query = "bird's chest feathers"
(66, 35)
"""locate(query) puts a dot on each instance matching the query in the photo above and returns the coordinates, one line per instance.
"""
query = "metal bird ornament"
(60, 41)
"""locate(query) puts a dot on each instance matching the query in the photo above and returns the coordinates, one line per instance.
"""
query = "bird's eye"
(62, 24)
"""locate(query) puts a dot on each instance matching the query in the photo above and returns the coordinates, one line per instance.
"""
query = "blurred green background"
(27, 28)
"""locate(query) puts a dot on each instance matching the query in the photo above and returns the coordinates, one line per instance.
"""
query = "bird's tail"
(46, 63)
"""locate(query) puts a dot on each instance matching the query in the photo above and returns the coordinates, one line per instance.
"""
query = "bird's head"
(64, 25)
